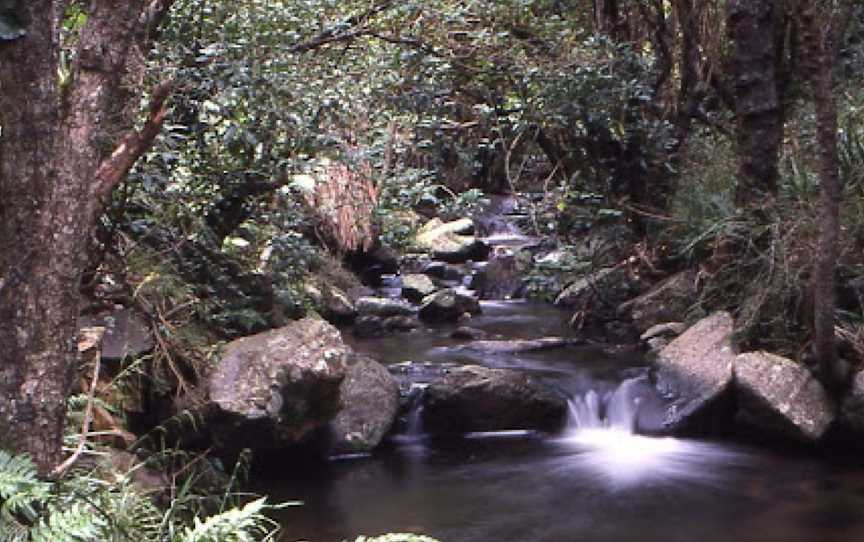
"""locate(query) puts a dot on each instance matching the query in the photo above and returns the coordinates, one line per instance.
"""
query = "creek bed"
(587, 484)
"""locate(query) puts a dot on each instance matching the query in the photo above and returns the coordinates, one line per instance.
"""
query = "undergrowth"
(758, 263)
(84, 507)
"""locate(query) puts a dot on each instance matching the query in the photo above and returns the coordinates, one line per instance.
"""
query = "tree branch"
(114, 169)
(64, 467)
(354, 27)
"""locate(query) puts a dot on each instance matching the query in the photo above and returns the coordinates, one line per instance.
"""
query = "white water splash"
(601, 430)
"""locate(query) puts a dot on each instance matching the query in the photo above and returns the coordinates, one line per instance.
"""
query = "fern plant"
(83, 508)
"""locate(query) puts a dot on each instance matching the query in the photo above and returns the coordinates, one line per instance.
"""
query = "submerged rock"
(474, 398)
(370, 403)
(271, 390)
(448, 306)
(383, 307)
(466, 333)
(665, 302)
(401, 323)
(780, 398)
(367, 326)
(518, 346)
(444, 271)
(695, 372)
(417, 286)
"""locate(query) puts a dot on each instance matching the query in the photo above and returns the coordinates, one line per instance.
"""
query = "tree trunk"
(752, 28)
(819, 28)
(37, 305)
(58, 170)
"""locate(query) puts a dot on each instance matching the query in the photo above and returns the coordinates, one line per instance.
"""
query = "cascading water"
(413, 433)
(602, 429)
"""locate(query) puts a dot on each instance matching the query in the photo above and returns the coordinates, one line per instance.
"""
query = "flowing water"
(603, 478)
(596, 481)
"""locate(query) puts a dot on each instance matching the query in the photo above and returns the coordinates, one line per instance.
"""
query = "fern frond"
(18, 474)
(12, 530)
(246, 524)
(21, 491)
(132, 515)
(78, 523)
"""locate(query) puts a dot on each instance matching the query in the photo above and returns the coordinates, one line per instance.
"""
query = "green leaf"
(10, 27)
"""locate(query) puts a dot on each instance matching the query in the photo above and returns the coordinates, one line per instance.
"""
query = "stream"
(600, 479)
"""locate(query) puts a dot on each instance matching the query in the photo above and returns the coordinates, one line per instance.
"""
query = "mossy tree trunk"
(64, 146)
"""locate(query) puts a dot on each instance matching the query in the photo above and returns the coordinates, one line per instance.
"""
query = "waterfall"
(413, 432)
(602, 431)
(616, 410)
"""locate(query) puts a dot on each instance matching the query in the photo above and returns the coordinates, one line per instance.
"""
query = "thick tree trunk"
(752, 28)
(57, 169)
(37, 300)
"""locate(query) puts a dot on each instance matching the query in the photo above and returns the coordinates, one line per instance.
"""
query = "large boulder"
(447, 306)
(445, 242)
(504, 276)
(331, 302)
(417, 286)
(270, 390)
(695, 372)
(665, 302)
(370, 403)
(853, 406)
(383, 307)
(780, 398)
(474, 398)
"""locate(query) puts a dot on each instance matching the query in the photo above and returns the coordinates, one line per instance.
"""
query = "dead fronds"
(344, 202)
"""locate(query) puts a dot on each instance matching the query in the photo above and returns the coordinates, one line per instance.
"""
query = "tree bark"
(58, 166)
(36, 333)
(752, 28)
(820, 29)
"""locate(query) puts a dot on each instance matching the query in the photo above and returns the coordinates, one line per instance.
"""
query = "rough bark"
(820, 35)
(36, 346)
(752, 28)
(689, 93)
(58, 165)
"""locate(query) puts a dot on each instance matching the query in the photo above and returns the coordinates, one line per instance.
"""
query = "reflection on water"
(590, 487)
(598, 481)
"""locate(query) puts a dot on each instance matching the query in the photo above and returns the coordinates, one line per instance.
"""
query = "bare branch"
(114, 169)
(64, 467)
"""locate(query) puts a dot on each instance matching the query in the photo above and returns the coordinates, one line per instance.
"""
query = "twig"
(64, 467)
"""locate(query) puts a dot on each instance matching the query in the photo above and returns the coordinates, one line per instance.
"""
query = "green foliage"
(83, 508)
(244, 524)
